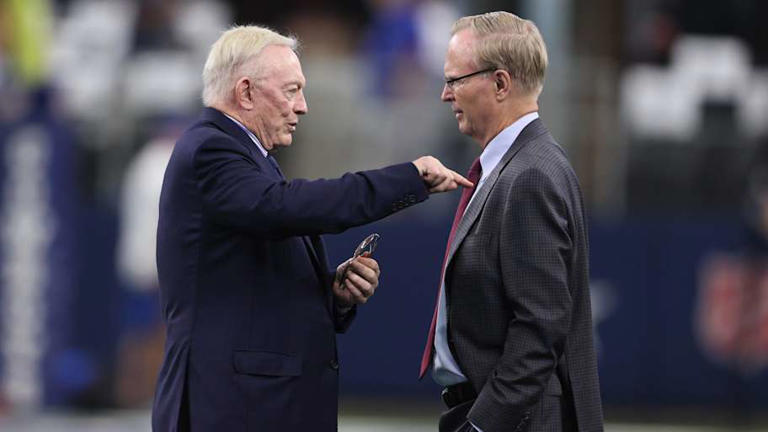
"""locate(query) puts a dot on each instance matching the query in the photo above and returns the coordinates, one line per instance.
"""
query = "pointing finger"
(458, 178)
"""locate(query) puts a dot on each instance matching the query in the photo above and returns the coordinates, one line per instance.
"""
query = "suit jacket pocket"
(266, 363)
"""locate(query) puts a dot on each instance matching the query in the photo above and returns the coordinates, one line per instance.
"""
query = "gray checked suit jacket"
(519, 319)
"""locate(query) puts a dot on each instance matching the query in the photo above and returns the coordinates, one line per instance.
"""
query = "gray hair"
(508, 42)
(234, 48)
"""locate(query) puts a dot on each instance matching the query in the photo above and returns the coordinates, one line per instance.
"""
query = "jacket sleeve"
(341, 320)
(237, 192)
(534, 247)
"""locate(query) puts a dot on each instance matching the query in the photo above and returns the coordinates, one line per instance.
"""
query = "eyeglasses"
(367, 245)
(451, 83)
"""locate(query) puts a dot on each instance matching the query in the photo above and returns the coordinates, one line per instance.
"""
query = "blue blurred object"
(71, 371)
(390, 40)
(37, 211)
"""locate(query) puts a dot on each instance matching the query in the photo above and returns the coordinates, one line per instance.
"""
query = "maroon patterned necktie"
(474, 176)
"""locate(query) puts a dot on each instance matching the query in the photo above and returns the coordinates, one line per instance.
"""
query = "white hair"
(230, 52)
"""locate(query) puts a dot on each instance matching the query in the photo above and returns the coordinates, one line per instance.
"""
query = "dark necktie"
(274, 164)
(473, 175)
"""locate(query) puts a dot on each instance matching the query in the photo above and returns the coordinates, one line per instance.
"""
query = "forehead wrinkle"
(272, 63)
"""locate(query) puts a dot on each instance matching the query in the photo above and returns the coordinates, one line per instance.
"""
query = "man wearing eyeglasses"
(511, 335)
(250, 306)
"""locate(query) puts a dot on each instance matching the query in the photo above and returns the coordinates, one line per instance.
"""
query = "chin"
(285, 142)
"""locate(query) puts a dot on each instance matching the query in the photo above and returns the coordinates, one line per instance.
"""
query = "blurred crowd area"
(662, 106)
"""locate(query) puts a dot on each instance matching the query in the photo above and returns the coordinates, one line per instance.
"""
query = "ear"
(243, 96)
(503, 83)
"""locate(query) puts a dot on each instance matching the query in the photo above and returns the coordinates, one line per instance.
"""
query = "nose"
(447, 94)
(301, 107)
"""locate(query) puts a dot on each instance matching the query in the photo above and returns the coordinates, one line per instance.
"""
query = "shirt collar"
(499, 145)
(250, 134)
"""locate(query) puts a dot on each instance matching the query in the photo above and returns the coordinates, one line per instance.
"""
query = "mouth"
(292, 126)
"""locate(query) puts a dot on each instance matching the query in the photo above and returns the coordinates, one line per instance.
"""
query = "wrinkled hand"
(356, 280)
(437, 177)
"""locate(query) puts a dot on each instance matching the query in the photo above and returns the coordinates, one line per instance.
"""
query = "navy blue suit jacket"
(245, 286)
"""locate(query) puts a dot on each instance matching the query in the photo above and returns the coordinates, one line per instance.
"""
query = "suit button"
(334, 365)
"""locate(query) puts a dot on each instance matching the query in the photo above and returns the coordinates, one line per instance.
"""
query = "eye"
(291, 92)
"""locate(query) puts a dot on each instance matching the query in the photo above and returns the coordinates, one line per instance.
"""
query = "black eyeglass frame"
(450, 83)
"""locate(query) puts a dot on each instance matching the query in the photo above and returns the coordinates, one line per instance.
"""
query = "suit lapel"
(230, 128)
(310, 244)
(321, 265)
(531, 131)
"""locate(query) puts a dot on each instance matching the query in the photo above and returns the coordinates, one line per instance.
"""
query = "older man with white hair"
(250, 306)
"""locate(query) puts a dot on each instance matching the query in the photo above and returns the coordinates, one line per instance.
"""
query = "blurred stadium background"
(661, 104)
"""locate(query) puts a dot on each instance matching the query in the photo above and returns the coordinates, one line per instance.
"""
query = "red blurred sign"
(732, 311)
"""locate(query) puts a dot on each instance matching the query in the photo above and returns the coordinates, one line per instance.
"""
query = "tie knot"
(475, 171)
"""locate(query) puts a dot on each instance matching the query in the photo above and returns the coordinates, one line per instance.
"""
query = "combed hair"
(509, 42)
(234, 48)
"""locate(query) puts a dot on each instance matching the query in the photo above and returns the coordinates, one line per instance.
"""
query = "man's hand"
(356, 280)
(437, 177)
